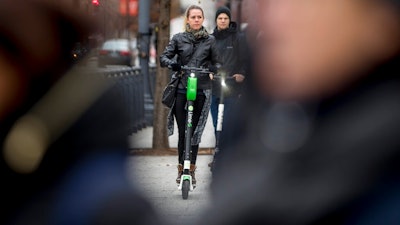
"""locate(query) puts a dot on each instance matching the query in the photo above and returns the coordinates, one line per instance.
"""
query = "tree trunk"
(160, 136)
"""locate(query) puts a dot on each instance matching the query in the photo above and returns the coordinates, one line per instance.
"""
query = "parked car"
(117, 52)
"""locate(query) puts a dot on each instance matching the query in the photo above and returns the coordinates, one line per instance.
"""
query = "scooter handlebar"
(196, 69)
(219, 77)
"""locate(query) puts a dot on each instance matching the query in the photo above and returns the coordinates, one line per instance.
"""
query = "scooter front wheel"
(185, 189)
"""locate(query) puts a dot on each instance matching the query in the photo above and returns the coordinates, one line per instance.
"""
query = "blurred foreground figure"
(318, 141)
(62, 130)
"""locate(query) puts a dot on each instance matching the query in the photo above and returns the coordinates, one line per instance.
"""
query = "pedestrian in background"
(320, 131)
(195, 48)
(231, 45)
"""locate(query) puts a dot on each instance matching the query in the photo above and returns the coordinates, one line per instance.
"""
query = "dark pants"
(180, 116)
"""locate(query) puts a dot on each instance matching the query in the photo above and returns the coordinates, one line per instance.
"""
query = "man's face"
(222, 21)
(309, 48)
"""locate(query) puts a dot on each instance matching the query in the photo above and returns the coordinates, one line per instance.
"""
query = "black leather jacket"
(181, 49)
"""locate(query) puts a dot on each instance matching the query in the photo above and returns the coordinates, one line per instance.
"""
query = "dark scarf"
(197, 34)
(222, 34)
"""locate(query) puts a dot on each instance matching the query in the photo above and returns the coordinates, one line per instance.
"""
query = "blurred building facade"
(114, 23)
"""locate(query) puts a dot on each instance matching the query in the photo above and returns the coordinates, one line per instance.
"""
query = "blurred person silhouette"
(62, 132)
(316, 141)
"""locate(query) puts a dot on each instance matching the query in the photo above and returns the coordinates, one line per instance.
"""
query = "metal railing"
(137, 99)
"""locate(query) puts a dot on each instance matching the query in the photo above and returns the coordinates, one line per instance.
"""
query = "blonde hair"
(187, 13)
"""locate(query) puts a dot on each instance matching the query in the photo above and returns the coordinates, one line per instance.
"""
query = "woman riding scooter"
(196, 48)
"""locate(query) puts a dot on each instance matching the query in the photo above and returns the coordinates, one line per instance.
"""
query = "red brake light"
(124, 53)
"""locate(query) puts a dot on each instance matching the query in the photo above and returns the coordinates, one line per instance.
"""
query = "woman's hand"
(175, 67)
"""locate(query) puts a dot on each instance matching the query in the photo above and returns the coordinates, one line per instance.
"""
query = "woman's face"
(195, 19)
(311, 48)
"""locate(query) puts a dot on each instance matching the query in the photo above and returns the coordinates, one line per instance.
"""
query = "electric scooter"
(220, 118)
(186, 184)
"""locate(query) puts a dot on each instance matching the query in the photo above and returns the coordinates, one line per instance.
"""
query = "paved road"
(156, 175)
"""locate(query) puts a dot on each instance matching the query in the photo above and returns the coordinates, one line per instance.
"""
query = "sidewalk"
(155, 177)
(144, 138)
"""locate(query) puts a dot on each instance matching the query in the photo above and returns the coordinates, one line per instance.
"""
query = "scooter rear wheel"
(185, 189)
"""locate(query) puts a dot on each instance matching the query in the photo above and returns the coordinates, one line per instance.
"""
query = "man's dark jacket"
(231, 44)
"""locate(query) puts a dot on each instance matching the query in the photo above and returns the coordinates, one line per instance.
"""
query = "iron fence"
(137, 98)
